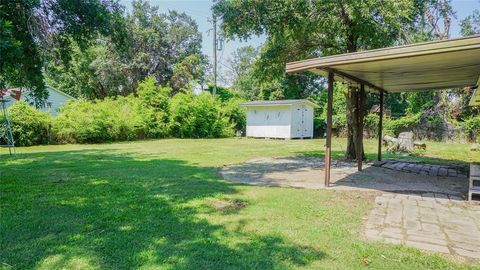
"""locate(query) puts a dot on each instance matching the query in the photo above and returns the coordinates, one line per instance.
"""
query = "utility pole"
(214, 21)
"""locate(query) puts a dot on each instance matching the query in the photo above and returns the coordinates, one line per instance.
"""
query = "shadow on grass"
(307, 171)
(100, 209)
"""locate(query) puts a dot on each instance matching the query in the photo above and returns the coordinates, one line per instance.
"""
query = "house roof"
(411, 68)
(60, 92)
(285, 102)
(48, 87)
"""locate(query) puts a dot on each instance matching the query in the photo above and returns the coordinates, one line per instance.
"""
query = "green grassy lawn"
(160, 205)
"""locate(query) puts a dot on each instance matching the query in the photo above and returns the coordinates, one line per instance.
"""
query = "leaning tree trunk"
(353, 123)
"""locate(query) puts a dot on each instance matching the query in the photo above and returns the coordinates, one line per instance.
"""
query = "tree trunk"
(352, 123)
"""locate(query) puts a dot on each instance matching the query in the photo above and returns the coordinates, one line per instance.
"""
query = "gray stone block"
(426, 246)
(443, 171)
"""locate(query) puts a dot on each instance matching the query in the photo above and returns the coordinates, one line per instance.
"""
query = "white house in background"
(55, 100)
(286, 119)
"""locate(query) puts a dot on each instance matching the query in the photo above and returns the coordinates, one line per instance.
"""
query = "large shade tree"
(159, 41)
(471, 24)
(434, 23)
(240, 71)
(300, 29)
(165, 46)
(32, 30)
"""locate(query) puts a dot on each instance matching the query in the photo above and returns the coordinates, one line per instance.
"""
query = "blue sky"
(200, 11)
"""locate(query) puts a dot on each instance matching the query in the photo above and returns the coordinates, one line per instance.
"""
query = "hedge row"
(152, 114)
(393, 127)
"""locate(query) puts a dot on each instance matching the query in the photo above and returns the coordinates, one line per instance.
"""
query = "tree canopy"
(304, 29)
(298, 30)
(166, 46)
(471, 24)
(33, 29)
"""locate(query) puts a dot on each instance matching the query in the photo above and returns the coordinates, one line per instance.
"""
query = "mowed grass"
(160, 205)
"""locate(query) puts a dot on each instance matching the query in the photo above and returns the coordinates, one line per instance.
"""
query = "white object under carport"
(285, 119)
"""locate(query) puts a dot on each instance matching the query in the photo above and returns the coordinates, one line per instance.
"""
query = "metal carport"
(417, 67)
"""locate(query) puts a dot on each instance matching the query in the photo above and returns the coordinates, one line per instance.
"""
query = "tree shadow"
(296, 172)
(382, 179)
(307, 171)
(102, 209)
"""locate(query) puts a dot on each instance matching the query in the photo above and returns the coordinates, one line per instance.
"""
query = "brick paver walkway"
(432, 222)
(421, 168)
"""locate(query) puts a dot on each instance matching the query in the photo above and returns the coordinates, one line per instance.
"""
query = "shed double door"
(301, 128)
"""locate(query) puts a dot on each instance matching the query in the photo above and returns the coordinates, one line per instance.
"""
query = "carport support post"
(329, 129)
(380, 127)
(359, 143)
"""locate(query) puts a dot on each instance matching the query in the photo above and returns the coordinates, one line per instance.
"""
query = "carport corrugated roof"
(423, 66)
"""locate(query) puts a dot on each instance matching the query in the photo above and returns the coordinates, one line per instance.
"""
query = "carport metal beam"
(354, 79)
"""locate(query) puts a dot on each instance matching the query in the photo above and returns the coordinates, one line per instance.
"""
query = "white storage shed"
(286, 119)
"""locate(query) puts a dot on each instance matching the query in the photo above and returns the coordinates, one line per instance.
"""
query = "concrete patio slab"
(421, 210)
(309, 172)
(443, 225)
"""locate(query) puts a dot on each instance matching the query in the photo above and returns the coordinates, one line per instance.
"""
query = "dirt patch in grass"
(352, 198)
(228, 206)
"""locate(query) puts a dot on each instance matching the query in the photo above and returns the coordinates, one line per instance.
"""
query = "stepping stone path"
(420, 168)
(429, 221)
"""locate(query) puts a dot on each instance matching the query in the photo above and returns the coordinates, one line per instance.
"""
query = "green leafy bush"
(371, 124)
(319, 125)
(319, 120)
(339, 122)
(339, 108)
(29, 126)
(395, 126)
(471, 127)
(153, 107)
(223, 93)
(198, 117)
(418, 102)
(434, 120)
(418, 152)
(100, 121)
(236, 114)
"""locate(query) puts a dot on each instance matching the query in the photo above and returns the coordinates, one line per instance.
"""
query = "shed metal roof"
(423, 66)
(285, 102)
